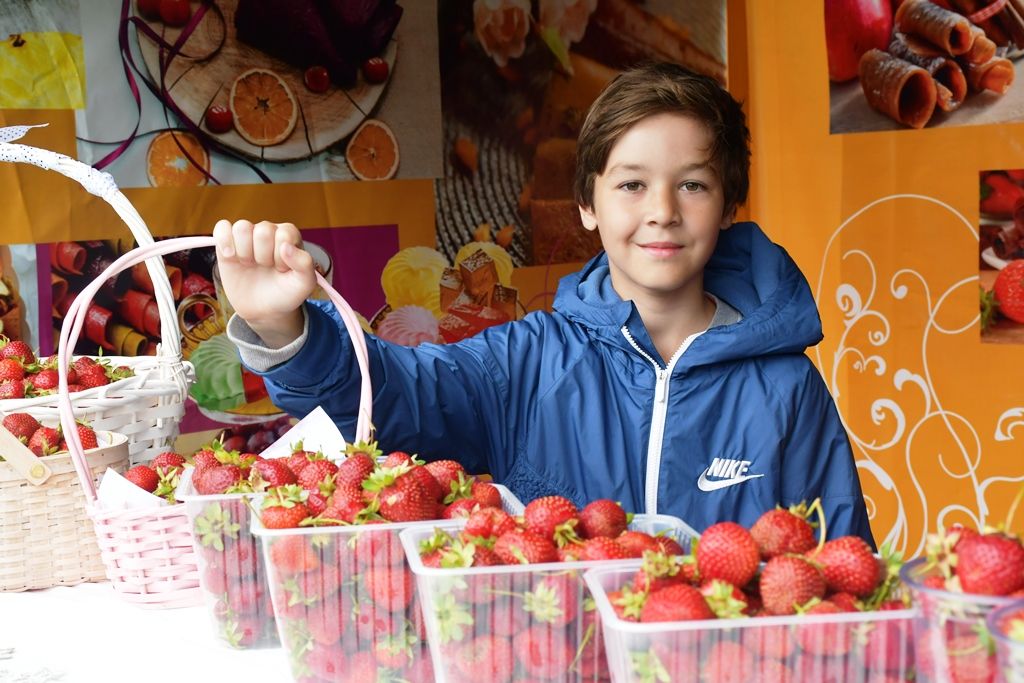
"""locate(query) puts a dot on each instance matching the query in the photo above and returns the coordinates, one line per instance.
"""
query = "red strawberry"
(725, 600)
(521, 546)
(12, 389)
(168, 461)
(727, 551)
(543, 652)
(463, 507)
(657, 571)
(11, 370)
(18, 350)
(94, 376)
(990, 564)
(354, 469)
(602, 517)
(396, 458)
(390, 588)
(845, 601)
(315, 473)
(889, 644)
(831, 639)
(849, 566)
(204, 459)
(552, 517)
(780, 531)
(144, 477)
(728, 662)
(774, 642)
(679, 602)
(44, 379)
(401, 497)
(293, 554)
(485, 659)
(22, 425)
(669, 545)
(789, 582)
(266, 474)
(488, 523)
(44, 441)
(86, 435)
(284, 507)
(637, 543)
(1009, 290)
(486, 494)
(601, 548)
(446, 472)
(216, 479)
(299, 458)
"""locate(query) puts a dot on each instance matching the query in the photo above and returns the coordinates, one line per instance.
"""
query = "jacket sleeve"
(818, 462)
(436, 400)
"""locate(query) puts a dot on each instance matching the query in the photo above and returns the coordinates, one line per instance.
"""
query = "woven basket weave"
(147, 407)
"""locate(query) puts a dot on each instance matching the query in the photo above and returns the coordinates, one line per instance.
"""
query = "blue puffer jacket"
(579, 403)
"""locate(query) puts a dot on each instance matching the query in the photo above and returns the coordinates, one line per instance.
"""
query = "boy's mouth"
(661, 249)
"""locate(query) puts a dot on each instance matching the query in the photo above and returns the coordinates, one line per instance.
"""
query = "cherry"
(175, 12)
(375, 70)
(317, 79)
(219, 119)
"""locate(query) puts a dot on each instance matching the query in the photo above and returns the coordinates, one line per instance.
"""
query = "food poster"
(259, 91)
(925, 63)
(893, 230)
(1000, 244)
(516, 79)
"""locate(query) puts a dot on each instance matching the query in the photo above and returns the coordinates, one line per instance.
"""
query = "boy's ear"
(728, 217)
(588, 217)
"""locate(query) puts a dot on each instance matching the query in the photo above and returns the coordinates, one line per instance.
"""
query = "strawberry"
(888, 645)
(396, 458)
(636, 543)
(488, 523)
(831, 639)
(728, 662)
(216, 479)
(44, 379)
(788, 582)
(94, 376)
(657, 571)
(543, 652)
(845, 601)
(1009, 290)
(679, 602)
(463, 507)
(266, 474)
(486, 494)
(204, 459)
(602, 517)
(12, 389)
(669, 545)
(390, 588)
(773, 642)
(44, 441)
(601, 548)
(522, 546)
(780, 531)
(990, 564)
(849, 566)
(86, 435)
(284, 507)
(354, 469)
(144, 477)
(446, 472)
(401, 498)
(427, 481)
(293, 554)
(17, 350)
(727, 551)
(11, 370)
(22, 425)
(485, 659)
(552, 517)
(333, 664)
(315, 473)
(168, 461)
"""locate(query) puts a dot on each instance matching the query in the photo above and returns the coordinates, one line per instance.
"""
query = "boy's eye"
(632, 186)
(692, 186)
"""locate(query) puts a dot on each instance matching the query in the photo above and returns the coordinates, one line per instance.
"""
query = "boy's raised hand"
(266, 276)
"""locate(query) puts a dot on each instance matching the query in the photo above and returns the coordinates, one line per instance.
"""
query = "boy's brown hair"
(661, 88)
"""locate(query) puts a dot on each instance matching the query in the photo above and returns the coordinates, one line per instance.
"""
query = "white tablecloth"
(88, 634)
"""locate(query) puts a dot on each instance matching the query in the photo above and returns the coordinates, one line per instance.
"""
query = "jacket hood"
(747, 270)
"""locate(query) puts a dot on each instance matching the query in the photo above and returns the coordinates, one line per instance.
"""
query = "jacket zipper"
(658, 415)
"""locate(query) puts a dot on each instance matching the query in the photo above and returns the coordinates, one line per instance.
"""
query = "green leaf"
(557, 46)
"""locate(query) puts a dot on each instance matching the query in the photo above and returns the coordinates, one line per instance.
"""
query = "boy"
(671, 376)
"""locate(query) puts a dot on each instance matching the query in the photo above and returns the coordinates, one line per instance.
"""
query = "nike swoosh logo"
(704, 485)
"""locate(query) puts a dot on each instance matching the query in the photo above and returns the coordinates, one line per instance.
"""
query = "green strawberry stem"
(816, 505)
(1013, 508)
(587, 635)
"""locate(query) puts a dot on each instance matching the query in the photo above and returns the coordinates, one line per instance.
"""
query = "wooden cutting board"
(195, 82)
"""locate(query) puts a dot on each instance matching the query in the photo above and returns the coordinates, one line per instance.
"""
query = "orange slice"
(167, 164)
(372, 151)
(264, 108)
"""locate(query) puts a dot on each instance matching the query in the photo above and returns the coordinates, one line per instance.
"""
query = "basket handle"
(71, 328)
(102, 185)
(22, 459)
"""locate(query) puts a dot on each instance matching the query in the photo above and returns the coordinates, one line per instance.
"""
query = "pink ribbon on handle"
(71, 328)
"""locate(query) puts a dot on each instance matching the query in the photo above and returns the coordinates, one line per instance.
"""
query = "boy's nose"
(662, 206)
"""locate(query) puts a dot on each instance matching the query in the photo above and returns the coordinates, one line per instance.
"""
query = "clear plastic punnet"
(345, 600)
(499, 624)
(951, 636)
(853, 647)
(1006, 625)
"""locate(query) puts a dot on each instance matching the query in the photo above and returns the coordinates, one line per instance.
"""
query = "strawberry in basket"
(43, 440)
(24, 375)
(776, 569)
(161, 476)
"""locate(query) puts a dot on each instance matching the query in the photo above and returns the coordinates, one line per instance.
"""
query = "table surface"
(88, 634)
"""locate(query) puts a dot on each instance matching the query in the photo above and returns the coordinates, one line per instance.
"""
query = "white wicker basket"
(147, 407)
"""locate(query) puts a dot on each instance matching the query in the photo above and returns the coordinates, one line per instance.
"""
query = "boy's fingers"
(263, 236)
(222, 237)
(296, 259)
(286, 234)
(241, 231)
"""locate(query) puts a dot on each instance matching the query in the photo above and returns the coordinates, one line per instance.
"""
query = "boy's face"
(658, 206)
